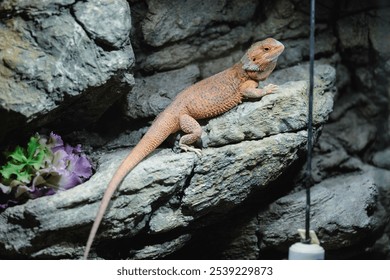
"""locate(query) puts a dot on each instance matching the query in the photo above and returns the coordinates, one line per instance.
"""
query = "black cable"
(309, 178)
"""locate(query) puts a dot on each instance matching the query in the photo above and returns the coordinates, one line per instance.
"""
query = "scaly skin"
(205, 99)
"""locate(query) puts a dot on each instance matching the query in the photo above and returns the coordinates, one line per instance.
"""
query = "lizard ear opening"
(248, 65)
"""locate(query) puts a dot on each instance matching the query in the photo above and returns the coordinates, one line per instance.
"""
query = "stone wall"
(99, 71)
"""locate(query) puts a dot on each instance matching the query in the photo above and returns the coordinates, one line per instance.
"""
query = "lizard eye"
(266, 49)
(253, 59)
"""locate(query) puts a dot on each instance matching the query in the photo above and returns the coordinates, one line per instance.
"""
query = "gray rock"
(117, 13)
(164, 194)
(347, 102)
(224, 28)
(214, 66)
(382, 159)
(239, 236)
(343, 76)
(365, 78)
(126, 139)
(171, 57)
(329, 156)
(353, 32)
(243, 243)
(378, 27)
(166, 219)
(216, 29)
(348, 130)
(236, 170)
(324, 76)
(285, 20)
(233, 237)
(345, 210)
(382, 181)
(183, 53)
(45, 7)
(76, 208)
(297, 49)
(155, 251)
(381, 248)
(52, 69)
(152, 94)
(171, 21)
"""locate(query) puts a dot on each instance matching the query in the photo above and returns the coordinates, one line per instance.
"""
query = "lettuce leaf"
(24, 163)
(45, 167)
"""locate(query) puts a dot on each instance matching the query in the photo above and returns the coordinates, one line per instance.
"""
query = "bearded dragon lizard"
(205, 99)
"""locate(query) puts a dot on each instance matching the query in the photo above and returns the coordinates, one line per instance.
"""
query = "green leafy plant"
(45, 167)
(24, 163)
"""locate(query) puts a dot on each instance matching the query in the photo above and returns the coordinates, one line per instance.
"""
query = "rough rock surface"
(353, 231)
(160, 27)
(67, 67)
(152, 94)
(345, 210)
(58, 63)
(168, 193)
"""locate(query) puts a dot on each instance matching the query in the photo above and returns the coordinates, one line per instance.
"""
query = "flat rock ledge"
(168, 196)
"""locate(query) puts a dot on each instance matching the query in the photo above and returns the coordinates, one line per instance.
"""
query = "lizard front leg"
(249, 89)
(194, 131)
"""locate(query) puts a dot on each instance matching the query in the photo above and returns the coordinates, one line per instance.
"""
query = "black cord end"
(306, 241)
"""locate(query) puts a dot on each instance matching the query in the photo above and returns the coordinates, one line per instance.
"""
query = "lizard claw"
(187, 148)
(271, 88)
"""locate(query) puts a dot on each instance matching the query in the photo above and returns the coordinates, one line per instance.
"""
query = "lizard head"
(260, 59)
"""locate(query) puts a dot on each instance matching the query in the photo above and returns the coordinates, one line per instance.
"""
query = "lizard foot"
(271, 88)
(187, 148)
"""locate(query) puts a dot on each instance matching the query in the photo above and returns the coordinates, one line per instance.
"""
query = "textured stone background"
(98, 72)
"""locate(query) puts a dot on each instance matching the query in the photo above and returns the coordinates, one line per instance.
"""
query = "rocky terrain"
(98, 72)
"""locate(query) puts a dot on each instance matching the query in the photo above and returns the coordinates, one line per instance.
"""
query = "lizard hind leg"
(194, 131)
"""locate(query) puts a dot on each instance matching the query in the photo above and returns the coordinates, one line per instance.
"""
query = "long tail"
(162, 127)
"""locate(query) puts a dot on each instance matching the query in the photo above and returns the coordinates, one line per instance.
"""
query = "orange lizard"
(205, 99)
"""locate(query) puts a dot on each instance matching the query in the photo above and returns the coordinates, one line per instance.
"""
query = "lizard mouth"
(274, 57)
(280, 49)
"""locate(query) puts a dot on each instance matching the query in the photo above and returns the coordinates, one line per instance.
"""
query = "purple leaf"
(65, 168)
(80, 166)
(55, 142)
